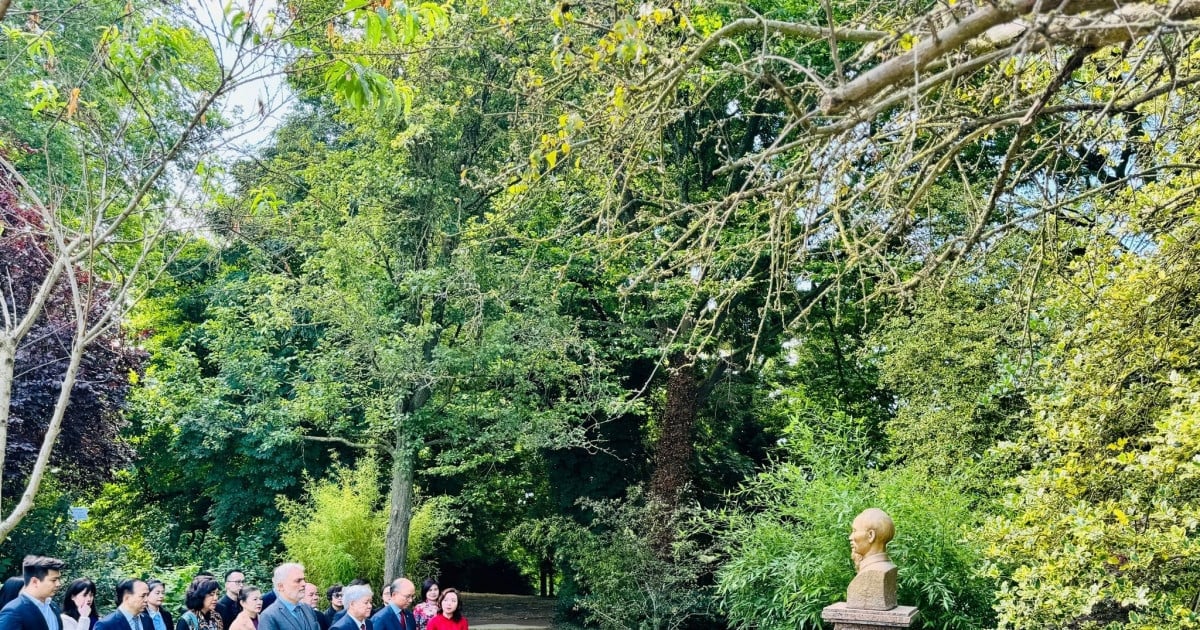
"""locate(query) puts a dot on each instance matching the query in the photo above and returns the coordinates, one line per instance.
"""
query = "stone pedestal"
(846, 618)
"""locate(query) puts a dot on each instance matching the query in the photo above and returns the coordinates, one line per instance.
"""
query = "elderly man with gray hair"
(289, 611)
(357, 600)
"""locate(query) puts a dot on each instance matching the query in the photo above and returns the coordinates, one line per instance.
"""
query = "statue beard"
(856, 558)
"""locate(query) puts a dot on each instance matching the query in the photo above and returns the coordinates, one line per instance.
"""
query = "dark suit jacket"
(115, 620)
(229, 609)
(168, 622)
(385, 619)
(346, 622)
(278, 618)
(22, 614)
(268, 599)
(333, 615)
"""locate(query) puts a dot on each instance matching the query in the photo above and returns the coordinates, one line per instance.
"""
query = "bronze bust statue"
(874, 588)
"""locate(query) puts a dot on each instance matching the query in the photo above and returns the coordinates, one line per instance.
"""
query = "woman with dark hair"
(428, 607)
(450, 616)
(11, 589)
(201, 601)
(77, 610)
(250, 600)
(159, 616)
(336, 609)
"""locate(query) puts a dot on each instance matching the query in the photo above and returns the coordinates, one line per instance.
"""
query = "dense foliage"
(645, 300)
(88, 450)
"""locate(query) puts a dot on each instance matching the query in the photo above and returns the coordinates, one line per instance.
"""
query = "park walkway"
(488, 611)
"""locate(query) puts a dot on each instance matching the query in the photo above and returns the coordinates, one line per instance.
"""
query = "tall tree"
(108, 113)
(90, 449)
(85, 162)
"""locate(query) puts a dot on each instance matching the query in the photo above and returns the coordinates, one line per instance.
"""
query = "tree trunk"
(8, 362)
(673, 448)
(400, 501)
(43, 459)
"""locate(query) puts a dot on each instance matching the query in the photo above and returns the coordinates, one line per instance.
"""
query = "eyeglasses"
(337, 595)
(235, 581)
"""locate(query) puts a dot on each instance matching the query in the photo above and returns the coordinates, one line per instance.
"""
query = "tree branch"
(1108, 29)
(337, 440)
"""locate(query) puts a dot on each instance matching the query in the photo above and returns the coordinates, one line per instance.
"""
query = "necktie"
(133, 625)
(362, 625)
(403, 625)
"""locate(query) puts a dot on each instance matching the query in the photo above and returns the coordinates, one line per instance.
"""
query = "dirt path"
(487, 611)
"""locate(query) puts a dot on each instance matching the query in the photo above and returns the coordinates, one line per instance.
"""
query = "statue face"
(861, 537)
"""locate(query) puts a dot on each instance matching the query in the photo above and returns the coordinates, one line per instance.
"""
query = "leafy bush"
(338, 534)
(43, 531)
(789, 553)
(635, 567)
(1102, 529)
(103, 547)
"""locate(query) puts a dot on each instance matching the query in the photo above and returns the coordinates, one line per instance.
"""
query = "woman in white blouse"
(77, 611)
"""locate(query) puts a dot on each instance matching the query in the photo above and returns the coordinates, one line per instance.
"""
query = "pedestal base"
(845, 618)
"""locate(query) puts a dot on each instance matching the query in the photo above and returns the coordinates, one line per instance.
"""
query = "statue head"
(870, 533)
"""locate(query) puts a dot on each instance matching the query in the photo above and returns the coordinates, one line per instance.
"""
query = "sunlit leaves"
(363, 82)
(355, 82)
(1103, 526)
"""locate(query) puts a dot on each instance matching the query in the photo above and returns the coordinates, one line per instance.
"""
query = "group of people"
(27, 603)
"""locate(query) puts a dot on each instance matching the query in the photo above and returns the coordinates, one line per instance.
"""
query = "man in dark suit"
(131, 603)
(397, 614)
(312, 598)
(228, 606)
(289, 612)
(357, 600)
(32, 609)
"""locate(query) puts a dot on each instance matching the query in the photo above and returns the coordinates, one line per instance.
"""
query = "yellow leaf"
(73, 102)
(1122, 518)
(552, 158)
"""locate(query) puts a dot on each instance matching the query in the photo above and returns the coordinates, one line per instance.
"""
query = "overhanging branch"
(1002, 25)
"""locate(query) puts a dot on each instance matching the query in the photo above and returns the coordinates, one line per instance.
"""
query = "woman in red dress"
(450, 617)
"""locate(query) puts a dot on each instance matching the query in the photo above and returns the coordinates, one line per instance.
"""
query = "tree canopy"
(642, 300)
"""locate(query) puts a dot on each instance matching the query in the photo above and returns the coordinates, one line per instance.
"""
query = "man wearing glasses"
(397, 614)
(228, 606)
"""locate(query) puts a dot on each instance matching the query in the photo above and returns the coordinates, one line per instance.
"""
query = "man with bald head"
(312, 598)
(289, 611)
(874, 588)
(397, 613)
